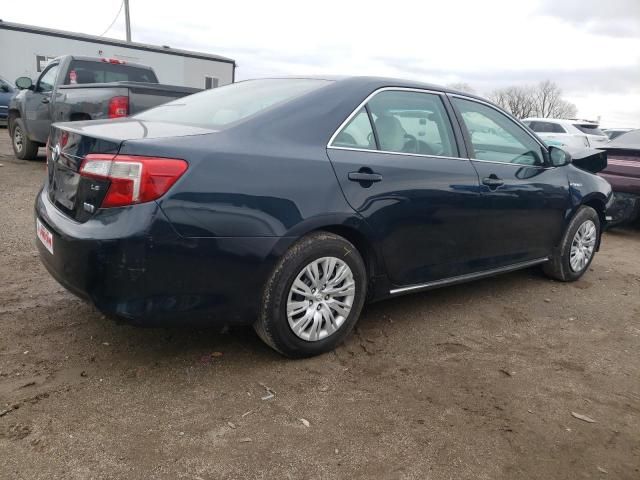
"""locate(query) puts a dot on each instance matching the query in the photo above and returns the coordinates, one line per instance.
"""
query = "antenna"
(127, 19)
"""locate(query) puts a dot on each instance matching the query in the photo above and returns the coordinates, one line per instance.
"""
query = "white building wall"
(19, 52)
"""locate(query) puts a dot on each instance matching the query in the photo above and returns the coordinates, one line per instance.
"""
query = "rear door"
(398, 163)
(524, 200)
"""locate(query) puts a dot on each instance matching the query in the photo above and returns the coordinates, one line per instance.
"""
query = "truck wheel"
(577, 248)
(314, 296)
(24, 148)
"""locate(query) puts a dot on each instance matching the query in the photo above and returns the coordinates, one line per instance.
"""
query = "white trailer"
(25, 51)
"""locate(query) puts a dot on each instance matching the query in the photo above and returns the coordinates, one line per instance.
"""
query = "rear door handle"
(45, 100)
(364, 177)
(492, 181)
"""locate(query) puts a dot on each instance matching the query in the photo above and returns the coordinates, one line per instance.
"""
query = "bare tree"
(516, 100)
(543, 100)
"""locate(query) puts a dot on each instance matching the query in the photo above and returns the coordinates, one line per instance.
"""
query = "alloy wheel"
(17, 138)
(320, 298)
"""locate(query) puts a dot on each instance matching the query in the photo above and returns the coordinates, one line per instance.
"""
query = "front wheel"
(577, 248)
(23, 148)
(313, 297)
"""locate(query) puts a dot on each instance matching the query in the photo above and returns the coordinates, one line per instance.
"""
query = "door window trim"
(363, 104)
(44, 72)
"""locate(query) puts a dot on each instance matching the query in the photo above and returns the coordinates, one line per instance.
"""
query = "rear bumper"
(132, 264)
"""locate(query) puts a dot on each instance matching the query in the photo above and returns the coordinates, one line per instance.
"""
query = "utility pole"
(127, 19)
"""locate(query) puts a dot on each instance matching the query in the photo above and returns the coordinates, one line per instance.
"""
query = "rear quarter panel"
(623, 171)
(241, 189)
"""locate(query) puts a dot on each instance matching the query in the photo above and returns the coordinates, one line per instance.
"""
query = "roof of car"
(381, 82)
(571, 121)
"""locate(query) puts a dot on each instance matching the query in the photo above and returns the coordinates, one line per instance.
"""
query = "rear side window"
(412, 122)
(588, 129)
(546, 127)
(357, 134)
(82, 71)
(497, 138)
(222, 106)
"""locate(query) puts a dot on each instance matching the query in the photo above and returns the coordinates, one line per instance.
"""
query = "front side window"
(357, 133)
(4, 86)
(412, 122)
(495, 137)
(48, 78)
(218, 107)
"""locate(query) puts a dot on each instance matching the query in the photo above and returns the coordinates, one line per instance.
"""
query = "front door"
(399, 166)
(39, 104)
(524, 199)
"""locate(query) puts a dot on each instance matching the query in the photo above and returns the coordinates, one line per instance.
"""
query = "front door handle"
(45, 100)
(492, 181)
(365, 177)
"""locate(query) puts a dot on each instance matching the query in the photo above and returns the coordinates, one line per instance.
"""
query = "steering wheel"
(410, 144)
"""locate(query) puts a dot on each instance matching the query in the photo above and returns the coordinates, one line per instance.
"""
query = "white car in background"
(571, 134)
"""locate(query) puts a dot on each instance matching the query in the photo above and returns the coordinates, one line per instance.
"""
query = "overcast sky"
(591, 48)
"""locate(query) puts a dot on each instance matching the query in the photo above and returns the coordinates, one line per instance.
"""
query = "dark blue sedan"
(287, 203)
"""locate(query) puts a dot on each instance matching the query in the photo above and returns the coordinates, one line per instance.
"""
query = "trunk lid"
(69, 143)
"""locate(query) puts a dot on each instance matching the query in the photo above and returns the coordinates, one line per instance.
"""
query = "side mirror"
(24, 83)
(559, 157)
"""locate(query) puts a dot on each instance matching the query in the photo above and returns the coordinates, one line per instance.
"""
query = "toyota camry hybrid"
(287, 203)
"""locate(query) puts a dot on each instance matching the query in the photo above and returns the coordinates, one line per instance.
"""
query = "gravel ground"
(477, 381)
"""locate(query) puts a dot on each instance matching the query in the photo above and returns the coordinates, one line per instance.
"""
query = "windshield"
(222, 106)
(5, 86)
(83, 71)
(589, 129)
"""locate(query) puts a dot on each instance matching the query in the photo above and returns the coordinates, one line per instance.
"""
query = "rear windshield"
(588, 129)
(222, 106)
(82, 71)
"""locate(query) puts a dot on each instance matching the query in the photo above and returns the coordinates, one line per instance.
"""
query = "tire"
(560, 266)
(23, 148)
(276, 328)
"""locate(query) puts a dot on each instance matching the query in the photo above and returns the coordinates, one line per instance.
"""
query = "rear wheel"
(313, 297)
(23, 148)
(577, 248)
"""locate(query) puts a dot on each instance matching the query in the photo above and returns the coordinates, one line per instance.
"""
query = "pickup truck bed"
(89, 98)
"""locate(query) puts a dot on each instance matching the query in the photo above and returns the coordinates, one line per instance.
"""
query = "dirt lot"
(470, 382)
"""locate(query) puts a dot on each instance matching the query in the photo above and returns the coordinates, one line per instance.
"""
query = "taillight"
(133, 179)
(118, 107)
(115, 61)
